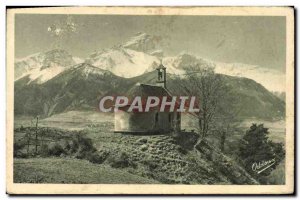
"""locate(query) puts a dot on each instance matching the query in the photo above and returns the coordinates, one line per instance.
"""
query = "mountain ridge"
(55, 81)
(83, 86)
(138, 55)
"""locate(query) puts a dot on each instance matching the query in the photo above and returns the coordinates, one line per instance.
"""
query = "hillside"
(57, 170)
(256, 101)
(173, 160)
(79, 87)
(122, 158)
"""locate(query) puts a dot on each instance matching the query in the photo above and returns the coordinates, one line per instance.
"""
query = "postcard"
(150, 100)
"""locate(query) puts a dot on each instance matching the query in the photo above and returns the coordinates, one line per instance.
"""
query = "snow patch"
(123, 62)
(271, 79)
(78, 60)
(141, 42)
(42, 67)
(46, 74)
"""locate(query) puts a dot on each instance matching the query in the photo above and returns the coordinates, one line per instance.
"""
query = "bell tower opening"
(162, 75)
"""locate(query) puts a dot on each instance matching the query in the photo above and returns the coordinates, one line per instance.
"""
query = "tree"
(260, 155)
(226, 120)
(214, 100)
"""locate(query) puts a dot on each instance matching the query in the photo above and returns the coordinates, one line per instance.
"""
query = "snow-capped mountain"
(135, 57)
(123, 62)
(271, 79)
(54, 82)
(42, 67)
(179, 64)
(138, 55)
(78, 87)
(141, 42)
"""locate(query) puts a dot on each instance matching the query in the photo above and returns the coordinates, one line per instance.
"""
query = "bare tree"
(227, 117)
(210, 91)
(36, 134)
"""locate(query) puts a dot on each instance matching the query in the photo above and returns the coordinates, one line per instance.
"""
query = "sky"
(251, 40)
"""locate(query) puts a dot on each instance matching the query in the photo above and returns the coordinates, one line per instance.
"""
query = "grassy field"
(71, 120)
(99, 127)
(79, 120)
(63, 170)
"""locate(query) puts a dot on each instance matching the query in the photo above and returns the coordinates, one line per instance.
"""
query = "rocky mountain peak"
(45, 65)
(142, 42)
(57, 57)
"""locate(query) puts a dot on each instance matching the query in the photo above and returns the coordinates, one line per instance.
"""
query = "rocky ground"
(174, 160)
(166, 159)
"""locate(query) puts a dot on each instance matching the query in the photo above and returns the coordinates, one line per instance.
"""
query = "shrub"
(150, 163)
(81, 142)
(65, 144)
(73, 146)
(55, 149)
(86, 144)
(120, 160)
(97, 157)
(44, 150)
(144, 147)
(141, 141)
(81, 153)
(256, 147)
(18, 146)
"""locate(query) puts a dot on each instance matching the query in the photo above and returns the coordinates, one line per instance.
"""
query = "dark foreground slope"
(174, 160)
(95, 156)
(68, 170)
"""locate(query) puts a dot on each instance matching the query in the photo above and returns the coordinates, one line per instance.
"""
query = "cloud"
(63, 28)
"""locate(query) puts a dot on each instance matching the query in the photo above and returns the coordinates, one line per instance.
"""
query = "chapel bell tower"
(161, 75)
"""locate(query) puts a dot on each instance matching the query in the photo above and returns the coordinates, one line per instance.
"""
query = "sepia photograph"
(150, 100)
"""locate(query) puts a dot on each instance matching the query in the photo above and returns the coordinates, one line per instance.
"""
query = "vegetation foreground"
(93, 156)
(70, 170)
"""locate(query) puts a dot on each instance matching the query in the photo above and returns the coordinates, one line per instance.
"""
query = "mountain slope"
(123, 62)
(52, 82)
(255, 100)
(271, 79)
(82, 86)
(42, 67)
(133, 58)
(141, 42)
(79, 87)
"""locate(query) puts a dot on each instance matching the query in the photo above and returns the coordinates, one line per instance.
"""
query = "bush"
(55, 149)
(97, 157)
(18, 146)
(144, 147)
(255, 147)
(120, 160)
(76, 145)
(44, 150)
(82, 143)
(65, 144)
(150, 163)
